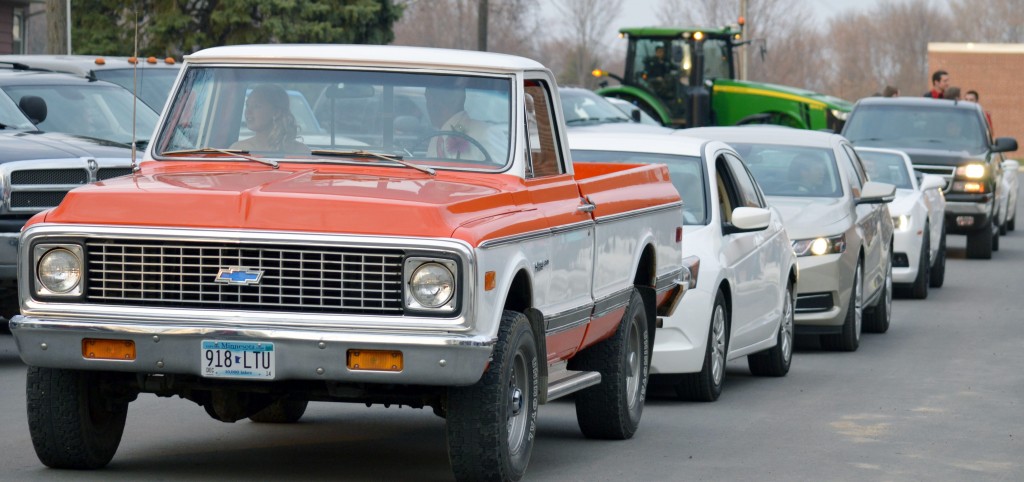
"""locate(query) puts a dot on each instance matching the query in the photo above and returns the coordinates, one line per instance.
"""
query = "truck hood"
(784, 90)
(34, 145)
(328, 198)
(812, 216)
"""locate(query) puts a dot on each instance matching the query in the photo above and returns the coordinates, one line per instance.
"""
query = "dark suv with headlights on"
(948, 138)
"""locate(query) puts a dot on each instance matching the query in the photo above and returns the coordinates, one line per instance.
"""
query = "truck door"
(566, 268)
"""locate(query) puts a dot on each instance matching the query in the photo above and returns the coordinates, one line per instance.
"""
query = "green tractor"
(686, 77)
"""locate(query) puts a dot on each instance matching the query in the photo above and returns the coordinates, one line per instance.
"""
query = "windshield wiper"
(362, 153)
(231, 152)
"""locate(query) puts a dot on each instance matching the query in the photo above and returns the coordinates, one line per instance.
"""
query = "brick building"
(994, 71)
(13, 15)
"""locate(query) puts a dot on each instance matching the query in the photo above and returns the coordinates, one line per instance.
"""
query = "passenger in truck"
(267, 113)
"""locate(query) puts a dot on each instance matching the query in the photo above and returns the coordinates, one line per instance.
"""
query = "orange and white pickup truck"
(356, 224)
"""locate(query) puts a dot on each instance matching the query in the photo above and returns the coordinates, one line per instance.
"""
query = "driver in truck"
(458, 135)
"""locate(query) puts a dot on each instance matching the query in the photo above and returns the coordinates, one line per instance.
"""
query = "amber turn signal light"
(99, 349)
(376, 360)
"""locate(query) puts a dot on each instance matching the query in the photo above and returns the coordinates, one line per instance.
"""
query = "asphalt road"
(938, 397)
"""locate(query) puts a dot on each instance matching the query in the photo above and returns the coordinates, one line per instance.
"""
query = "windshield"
(96, 110)
(686, 172)
(11, 116)
(784, 170)
(886, 167)
(154, 83)
(292, 114)
(585, 107)
(929, 127)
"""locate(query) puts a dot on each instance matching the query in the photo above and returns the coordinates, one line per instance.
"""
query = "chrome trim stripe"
(612, 302)
(668, 281)
(572, 227)
(566, 320)
(639, 212)
(518, 238)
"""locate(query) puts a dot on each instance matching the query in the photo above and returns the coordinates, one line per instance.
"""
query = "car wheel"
(706, 385)
(919, 290)
(938, 274)
(283, 410)
(849, 338)
(980, 243)
(72, 422)
(612, 409)
(995, 240)
(1011, 225)
(775, 361)
(877, 318)
(491, 424)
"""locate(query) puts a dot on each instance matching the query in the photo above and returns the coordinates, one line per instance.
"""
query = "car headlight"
(58, 270)
(839, 114)
(431, 284)
(820, 246)
(901, 222)
(971, 171)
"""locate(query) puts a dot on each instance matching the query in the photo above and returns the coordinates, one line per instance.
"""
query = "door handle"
(586, 207)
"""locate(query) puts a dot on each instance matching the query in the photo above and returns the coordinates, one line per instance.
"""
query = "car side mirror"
(930, 181)
(34, 108)
(1004, 144)
(876, 193)
(746, 219)
(1011, 165)
(635, 114)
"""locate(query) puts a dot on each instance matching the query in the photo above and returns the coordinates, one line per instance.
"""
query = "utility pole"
(58, 37)
(481, 28)
(745, 48)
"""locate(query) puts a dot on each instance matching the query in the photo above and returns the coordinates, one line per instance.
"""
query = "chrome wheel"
(633, 356)
(786, 328)
(718, 344)
(858, 303)
(517, 415)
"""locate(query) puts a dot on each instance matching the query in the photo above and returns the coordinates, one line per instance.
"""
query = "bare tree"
(512, 28)
(587, 30)
(997, 21)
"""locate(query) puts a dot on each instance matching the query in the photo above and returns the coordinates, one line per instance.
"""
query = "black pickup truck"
(948, 138)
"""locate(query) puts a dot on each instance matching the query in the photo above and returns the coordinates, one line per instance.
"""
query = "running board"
(562, 382)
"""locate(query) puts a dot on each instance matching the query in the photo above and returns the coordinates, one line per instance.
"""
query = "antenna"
(135, 87)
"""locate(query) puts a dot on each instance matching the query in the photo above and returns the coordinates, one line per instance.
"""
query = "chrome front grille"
(294, 278)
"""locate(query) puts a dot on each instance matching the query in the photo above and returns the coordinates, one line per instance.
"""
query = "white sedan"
(919, 238)
(741, 265)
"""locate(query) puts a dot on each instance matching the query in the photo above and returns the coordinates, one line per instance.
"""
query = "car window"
(932, 127)
(745, 185)
(783, 170)
(154, 83)
(11, 116)
(854, 176)
(686, 172)
(581, 107)
(886, 167)
(96, 110)
(545, 157)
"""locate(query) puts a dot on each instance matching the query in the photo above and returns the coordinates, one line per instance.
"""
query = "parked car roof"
(654, 143)
(763, 135)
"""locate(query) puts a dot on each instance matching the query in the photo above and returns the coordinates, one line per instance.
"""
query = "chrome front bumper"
(429, 359)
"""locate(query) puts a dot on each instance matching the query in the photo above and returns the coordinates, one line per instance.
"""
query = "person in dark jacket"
(940, 81)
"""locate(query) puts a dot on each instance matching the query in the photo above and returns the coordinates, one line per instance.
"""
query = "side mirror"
(635, 115)
(877, 193)
(1011, 165)
(746, 219)
(930, 181)
(1004, 144)
(34, 108)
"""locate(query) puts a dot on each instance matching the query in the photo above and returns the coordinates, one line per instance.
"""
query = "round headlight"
(59, 271)
(819, 246)
(432, 285)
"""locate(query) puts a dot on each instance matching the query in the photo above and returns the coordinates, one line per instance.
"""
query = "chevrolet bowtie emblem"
(239, 276)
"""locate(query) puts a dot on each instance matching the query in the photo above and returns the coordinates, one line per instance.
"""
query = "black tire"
(775, 361)
(877, 318)
(995, 240)
(919, 290)
(72, 424)
(938, 272)
(283, 410)
(612, 409)
(849, 338)
(1003, 228)
(491, 424)
(1011, 225)
(706, 385)
(980, 243)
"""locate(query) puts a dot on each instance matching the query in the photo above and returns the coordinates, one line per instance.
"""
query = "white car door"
(870, 222)
(753, 274)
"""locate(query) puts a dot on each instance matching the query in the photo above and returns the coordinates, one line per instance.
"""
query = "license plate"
(237, 359)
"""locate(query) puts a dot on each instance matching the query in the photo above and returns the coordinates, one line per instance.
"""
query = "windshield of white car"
(98, 110)
(585, 107)
(288, 113)
(886, 167)
(11, 116)
(942, 127)
(784, 170)
(686, 173)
